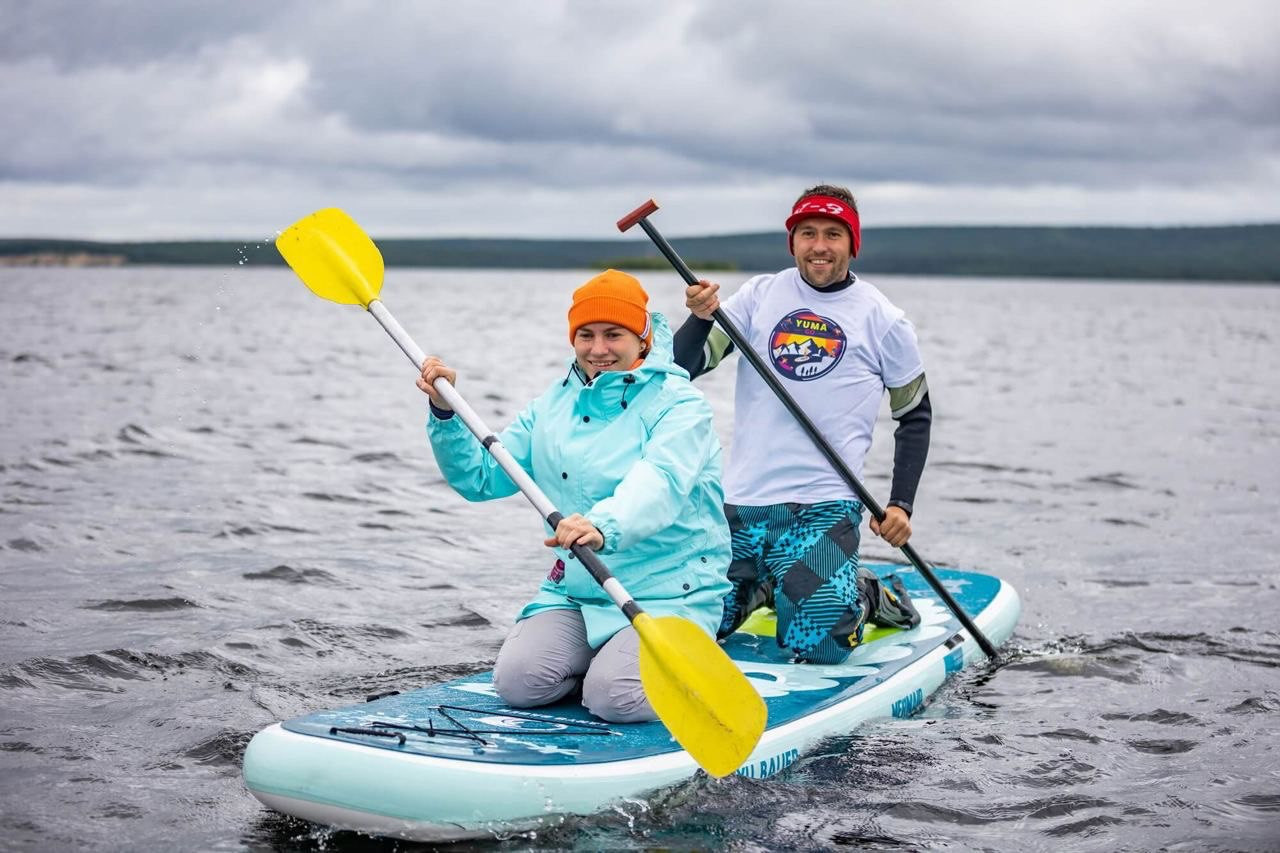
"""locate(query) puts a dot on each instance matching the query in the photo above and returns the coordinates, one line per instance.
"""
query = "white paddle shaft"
(461, 408)
(491, 443)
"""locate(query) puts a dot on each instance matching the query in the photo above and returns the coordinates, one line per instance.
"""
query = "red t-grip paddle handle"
(636, 215)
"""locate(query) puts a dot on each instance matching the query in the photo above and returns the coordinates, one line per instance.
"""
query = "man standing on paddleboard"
(837, 343)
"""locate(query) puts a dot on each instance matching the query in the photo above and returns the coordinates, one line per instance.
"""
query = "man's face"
(823, 248)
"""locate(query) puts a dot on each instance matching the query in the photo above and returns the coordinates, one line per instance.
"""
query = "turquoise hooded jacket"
(636, 453)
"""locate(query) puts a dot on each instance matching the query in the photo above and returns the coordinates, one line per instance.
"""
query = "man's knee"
(826, 653)
(832, 645)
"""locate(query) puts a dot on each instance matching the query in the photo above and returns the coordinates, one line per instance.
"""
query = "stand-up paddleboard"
(453, 761)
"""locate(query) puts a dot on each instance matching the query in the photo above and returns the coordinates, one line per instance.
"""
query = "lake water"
(219, 510)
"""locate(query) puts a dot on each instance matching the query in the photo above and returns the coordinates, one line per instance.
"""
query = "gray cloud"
(73, 34)
(536, 117)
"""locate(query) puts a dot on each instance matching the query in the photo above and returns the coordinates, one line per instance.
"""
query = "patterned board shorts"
(802, 560)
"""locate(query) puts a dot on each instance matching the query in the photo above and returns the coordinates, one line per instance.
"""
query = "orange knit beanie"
(612, 297)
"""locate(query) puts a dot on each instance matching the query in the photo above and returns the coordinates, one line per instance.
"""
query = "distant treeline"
(1227, 253)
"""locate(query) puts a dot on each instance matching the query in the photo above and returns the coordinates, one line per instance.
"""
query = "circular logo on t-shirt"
(805, 345)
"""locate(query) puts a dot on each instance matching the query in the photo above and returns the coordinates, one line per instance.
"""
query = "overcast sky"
(177, 118)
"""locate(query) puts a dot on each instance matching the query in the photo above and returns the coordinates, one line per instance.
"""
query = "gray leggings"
(546, 656)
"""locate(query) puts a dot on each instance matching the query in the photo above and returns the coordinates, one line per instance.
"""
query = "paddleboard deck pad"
(452, 761)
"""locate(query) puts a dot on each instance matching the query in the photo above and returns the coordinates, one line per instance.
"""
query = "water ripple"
(223, 749)
(101, 672)
(288, 574)
(1163, 746)
(1160, 715)
(330, 497)
(1092, 826)
(144, 605)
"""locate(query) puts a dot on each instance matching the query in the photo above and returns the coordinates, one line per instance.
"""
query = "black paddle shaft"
(598, 570)
(811, 430)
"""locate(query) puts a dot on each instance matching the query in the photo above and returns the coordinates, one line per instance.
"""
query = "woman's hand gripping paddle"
(640, 216)
(696, 690)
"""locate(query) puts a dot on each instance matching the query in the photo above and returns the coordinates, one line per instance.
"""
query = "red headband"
(828, 207)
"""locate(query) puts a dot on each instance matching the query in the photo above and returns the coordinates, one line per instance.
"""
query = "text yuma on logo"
(805, 345)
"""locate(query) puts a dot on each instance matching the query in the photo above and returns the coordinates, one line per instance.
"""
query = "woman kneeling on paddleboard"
(625, 446)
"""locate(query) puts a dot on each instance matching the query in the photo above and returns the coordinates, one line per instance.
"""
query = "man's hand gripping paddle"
(640, 216)
(696, 690)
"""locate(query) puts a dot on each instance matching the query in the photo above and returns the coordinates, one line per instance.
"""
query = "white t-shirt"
(835, 353)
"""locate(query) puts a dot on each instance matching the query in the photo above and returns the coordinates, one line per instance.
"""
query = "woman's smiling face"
(603, 346)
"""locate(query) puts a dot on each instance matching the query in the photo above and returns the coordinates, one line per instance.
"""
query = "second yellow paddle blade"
(334, 257)
(699, 693)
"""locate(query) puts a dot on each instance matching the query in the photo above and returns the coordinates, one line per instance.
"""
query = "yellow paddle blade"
(334, 257)
(699, 693)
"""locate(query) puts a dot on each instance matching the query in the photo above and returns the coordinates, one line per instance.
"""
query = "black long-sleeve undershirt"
(689, 346)
(910, 450)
